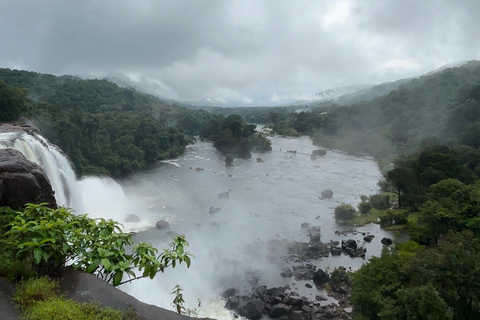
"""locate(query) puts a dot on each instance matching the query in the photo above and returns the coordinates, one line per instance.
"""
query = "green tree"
(344, 212)
(12, 101)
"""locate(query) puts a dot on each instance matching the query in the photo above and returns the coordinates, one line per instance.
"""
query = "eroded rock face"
(22, 181)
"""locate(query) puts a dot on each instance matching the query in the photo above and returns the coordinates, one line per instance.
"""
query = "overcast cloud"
(254, 52)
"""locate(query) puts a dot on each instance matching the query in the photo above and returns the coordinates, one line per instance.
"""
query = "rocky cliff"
(22, 181)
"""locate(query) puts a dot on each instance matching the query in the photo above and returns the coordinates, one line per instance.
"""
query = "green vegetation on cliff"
(108, 130)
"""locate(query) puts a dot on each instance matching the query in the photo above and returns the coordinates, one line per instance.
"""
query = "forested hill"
(443, 106)
(106, 129)
(91, 95)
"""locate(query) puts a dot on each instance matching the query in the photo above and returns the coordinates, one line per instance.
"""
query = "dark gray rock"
(83, 287)
(304, 225)
(303, 272)
(320, 277)
(350, 243)
(386, 241)
(232, 303)
(326, 194)
(286, 272)
(162, 224)
(213, 210)
(229, 293)
(253, 309)
(280, 310)
(368, 238)
(22, 181)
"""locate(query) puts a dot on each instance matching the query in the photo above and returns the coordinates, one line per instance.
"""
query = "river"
(268, 201)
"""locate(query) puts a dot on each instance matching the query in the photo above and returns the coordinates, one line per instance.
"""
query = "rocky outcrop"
(84, 287)
(22, 181)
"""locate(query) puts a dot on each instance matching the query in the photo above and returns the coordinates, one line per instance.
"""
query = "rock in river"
(326, 194)
(162, 224)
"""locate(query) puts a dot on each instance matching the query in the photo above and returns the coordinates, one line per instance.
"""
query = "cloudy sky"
(248, 51)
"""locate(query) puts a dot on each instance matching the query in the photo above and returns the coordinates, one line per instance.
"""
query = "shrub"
(380, 201)
(339, 275)
(44, 238)
(344, 212)
(33, 290)
(364, 207)
(64, 309)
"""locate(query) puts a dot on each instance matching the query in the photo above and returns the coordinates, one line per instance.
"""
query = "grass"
(40, 299)
(372, 217)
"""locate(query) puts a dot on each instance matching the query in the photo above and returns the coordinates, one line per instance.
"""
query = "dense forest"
(108, 130)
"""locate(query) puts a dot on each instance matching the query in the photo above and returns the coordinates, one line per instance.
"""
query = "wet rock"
(304, 225)
(224, 195)
(368, 238)
(286, 272)
(279, 310)
(314, 233)
(386, 241)
(230, 292)
(317, 250)
(213, 209)
(321, 297)
(22, 181)
(131, 218)
(303, 272)
(298, 248)
(308, 285)
(162, 224)
(320, 277)
(232, 303)
(253, 309)
(336, 251)
(326, 194)
(276, 292)
(350, 243)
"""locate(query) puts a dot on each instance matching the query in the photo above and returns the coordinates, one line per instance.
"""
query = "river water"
(238, 245)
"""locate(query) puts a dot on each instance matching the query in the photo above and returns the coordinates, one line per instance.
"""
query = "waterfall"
(56, 165)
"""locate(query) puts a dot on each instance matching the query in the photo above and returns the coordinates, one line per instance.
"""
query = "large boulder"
(253, 309)
(320, 277)
(23, 181)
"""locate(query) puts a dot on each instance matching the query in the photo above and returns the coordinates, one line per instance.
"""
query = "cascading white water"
(57, 167)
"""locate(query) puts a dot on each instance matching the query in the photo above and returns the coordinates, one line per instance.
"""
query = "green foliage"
(12, 101)
(344, 212)
(65, 309)
(46, 238)
(231, 135)
(339, 275)
(179, 303)
(364, 207)
(409, 282)
(33, 290)
(40, 299)
(394, 217)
